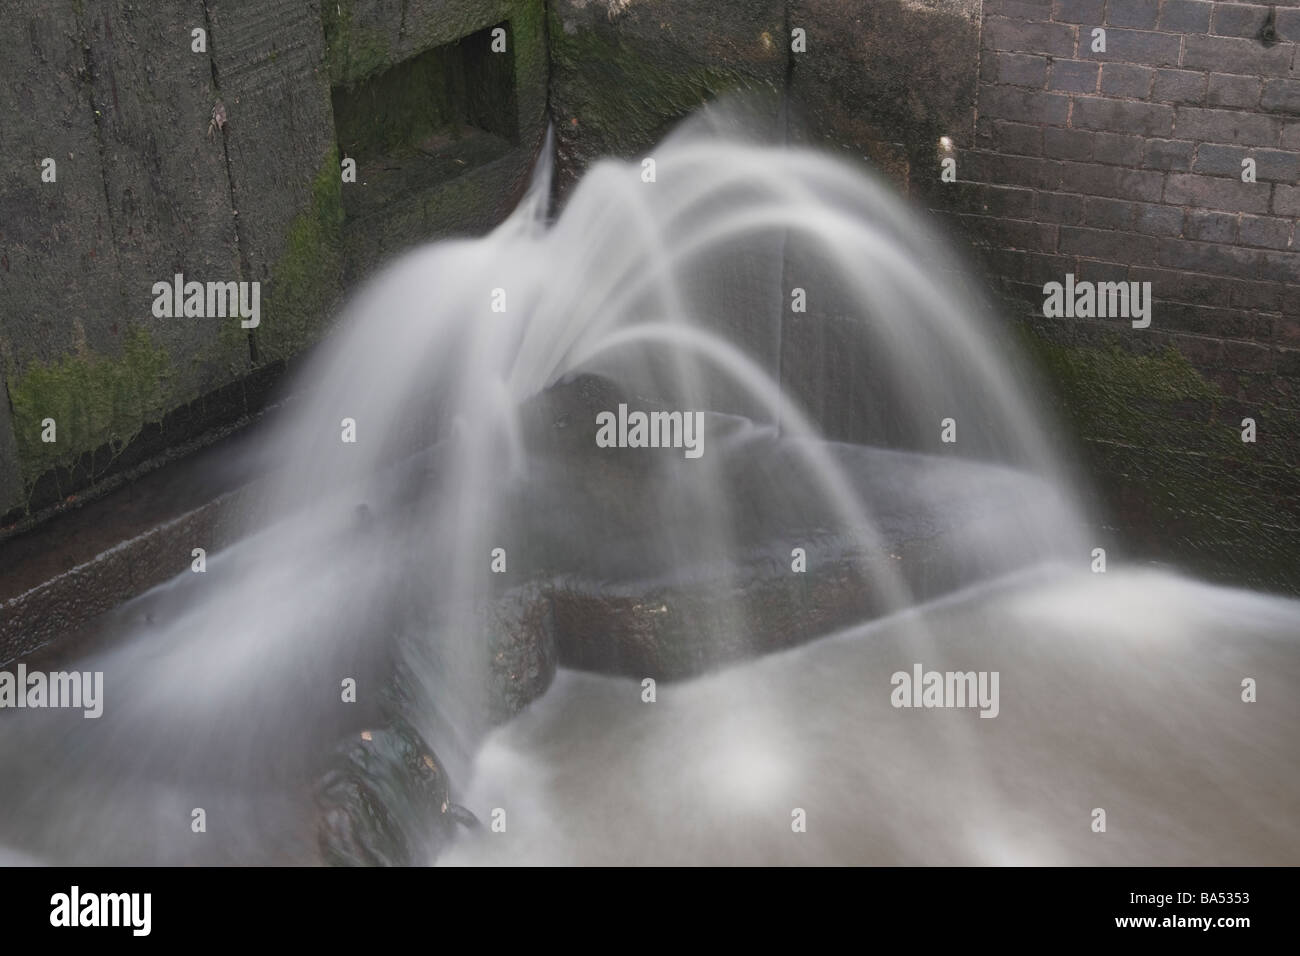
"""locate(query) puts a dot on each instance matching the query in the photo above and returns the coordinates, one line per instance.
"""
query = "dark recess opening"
(427, 119)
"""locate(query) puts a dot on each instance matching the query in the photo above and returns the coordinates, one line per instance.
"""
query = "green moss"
(305, 280)
(93, 400)
(1112, 393)
(230, 349)
(1164, 451)
(1166, 375)
(624, 100)
(528, 33)
(352, 52)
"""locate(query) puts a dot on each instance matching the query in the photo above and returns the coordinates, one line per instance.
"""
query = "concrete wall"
(148, 186)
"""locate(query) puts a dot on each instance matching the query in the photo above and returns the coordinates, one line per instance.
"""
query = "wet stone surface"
(386, 802)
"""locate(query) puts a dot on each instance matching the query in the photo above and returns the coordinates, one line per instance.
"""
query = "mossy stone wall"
(221, 164)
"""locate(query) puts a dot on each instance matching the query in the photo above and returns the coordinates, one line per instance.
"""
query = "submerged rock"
(655, 565)
(386, 802)
(521, 624)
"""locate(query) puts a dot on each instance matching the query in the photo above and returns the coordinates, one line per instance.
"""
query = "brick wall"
(1126, 165)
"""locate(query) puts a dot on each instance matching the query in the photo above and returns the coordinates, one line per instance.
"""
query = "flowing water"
(1118, 692)
(475, 501)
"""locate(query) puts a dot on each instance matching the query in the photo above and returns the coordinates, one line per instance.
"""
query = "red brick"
(983, 198)
(1266, 231)
(1146, 119)
(1286, 200)
(1060, 207)
(1157, 220)
(1168, 154)
(1212, 192)
(1018, 138)
(1055, 39)
(1281, 96)
(1238, 20)
(1291, 135)
(1064, 143)
(1074, 76)
(1118, 149)
(1113, 181)
(1102, 213)
(1079, 11)
(1271, 165)
(1181, 286)
(1237, 55)
(1124, 79)
(1179, 86)
(1209, 257)
(1019, 9)
(1185, 16)
(989, 167)
(1024, 106)
(1229, 90)
(1210, 226)
(1019, 69)
(1280, 266)
(1133, 13)
(1134, 46)
(1226, 126)
(1108, 244)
